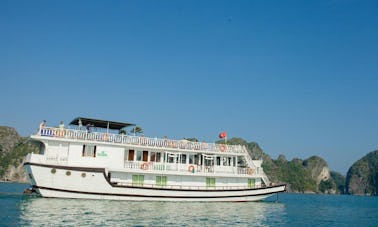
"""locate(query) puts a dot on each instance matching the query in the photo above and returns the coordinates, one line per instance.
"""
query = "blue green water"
(290, 210)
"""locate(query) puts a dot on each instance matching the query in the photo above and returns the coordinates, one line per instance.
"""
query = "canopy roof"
(100, 123)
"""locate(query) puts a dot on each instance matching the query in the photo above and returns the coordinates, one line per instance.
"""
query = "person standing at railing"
(42, 126)
(61, 125)
(61, 128)
(80, 124)
(88, 127)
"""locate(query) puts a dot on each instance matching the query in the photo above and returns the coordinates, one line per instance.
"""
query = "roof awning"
(100, 123)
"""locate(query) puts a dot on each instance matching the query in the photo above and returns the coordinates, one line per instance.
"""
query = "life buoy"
(191, 168)
(250, 171)
(170, 144)
(105, 137)
(144, 166)
(222, 148)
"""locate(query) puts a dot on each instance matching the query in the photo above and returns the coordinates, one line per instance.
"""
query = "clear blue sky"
(298, 77)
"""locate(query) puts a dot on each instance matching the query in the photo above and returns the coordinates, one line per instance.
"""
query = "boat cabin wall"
(96, 155)
(82, 154)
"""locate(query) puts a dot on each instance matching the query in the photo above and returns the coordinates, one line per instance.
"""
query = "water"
(290, 210)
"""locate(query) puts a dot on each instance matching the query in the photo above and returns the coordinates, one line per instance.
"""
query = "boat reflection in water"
(77, 212)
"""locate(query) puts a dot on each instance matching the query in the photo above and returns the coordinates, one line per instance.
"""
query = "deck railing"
(190, 168)
(139, 140)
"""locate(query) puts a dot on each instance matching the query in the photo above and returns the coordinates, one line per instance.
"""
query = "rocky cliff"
(13, 149)
(306, 176)
(362, 176)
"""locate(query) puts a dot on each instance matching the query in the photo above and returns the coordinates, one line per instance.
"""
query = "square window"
(251, 183)
(210, 182)
(89, 151)
(161, 181)
(137, 180)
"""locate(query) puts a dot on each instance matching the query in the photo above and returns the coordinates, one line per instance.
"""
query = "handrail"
(263, 174)
(140, 140)
(188, 187)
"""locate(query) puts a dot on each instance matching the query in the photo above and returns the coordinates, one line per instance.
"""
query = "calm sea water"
(290, 210)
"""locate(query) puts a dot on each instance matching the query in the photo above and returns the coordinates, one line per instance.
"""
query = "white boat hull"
(92, 183)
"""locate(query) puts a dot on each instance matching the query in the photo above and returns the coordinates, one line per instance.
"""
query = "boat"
(97, 159)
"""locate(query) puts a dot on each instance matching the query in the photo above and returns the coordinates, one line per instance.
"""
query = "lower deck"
(95, 183)
(191, 182)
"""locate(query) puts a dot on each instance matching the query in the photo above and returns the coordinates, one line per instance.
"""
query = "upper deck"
(109, 136)
(162, 143)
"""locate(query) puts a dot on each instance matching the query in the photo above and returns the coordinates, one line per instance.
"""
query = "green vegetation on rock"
(362, 176)
(339, 181)
(13, 150)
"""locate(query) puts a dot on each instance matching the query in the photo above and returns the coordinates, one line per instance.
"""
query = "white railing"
(191, 168)
(190, 187)
(259, 170)
(140, 140)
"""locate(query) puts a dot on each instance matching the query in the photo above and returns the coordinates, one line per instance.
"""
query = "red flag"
(222, 135)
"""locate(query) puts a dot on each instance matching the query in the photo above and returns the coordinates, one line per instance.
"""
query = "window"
(191, 159)
(172, 158)
(139, 156)
(138, 180)
(158, 157)
(209, 161)
(131, 155)
(183, 159)
(152, 156)
(161, 181)
(210, 182)
(218, 161)
(145, 156)
(89, 151)
(251, 183)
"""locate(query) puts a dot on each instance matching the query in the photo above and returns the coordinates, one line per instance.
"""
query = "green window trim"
(161, 181)
(137, 180)
(251, 183)
(210, 182)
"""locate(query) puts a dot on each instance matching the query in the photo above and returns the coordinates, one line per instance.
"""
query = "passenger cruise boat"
(101, 162)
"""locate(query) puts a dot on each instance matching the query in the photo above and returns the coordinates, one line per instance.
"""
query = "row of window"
(161, 181)
(138, 180)
(152, 156)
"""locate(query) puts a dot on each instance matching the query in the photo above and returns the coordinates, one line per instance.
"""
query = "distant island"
(311, 175)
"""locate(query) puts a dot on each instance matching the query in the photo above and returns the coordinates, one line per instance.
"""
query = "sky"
(300, 78)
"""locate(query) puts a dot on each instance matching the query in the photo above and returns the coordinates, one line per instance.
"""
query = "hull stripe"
(152, 196)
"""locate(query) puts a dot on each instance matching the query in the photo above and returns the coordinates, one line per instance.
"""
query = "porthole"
(53, 171)
(83, 175)
(68, 173)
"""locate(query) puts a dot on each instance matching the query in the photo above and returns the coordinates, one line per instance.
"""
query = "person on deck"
(42, 126)
(80, 124)
(88, 127)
